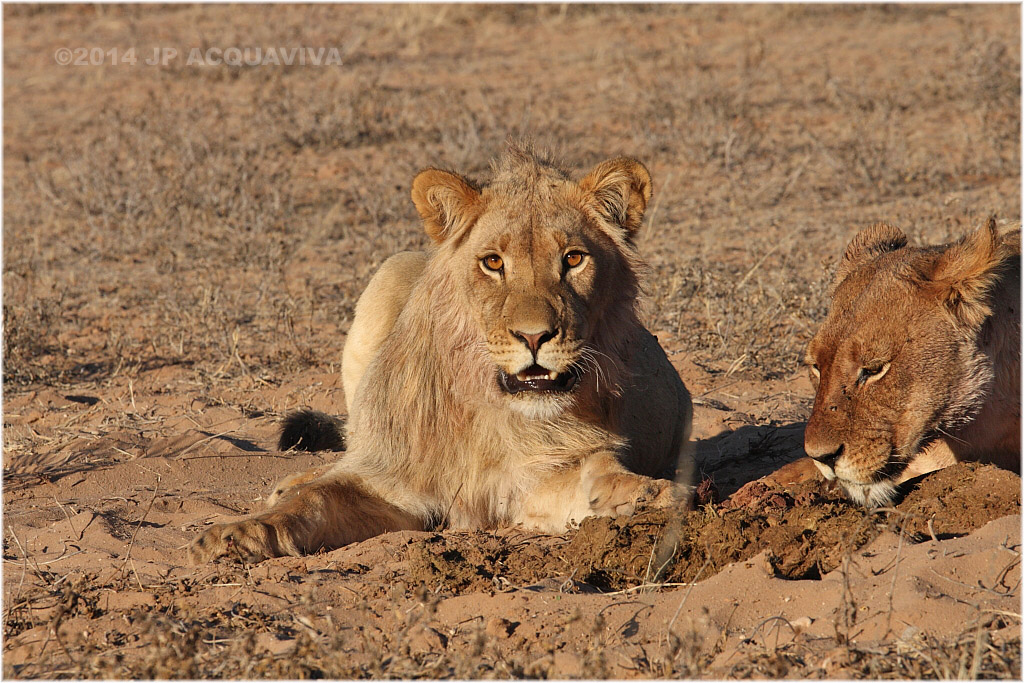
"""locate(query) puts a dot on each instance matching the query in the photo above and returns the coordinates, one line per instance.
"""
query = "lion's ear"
(965, 273)
(620, 189)
(880, 238)
(447, 202)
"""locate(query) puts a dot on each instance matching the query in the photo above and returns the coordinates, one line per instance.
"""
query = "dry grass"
(216, 185)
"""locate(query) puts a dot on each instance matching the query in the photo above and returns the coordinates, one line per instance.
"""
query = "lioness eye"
(574, 258)
(492, 262)
(872, 372)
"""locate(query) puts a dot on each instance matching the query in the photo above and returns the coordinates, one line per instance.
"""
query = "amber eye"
(574, 258)
(492, 262)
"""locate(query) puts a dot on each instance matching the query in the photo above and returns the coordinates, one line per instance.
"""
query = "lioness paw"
(249, 541)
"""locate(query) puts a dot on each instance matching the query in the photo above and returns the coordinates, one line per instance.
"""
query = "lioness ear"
(965, 272)
(880, 238)
(620, 189)
(447, 202)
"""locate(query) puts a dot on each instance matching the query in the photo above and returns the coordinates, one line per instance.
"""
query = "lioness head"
(547, 265)
(896, 363)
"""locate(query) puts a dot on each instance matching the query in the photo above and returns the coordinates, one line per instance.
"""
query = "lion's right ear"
(447, 202)
(880, 238)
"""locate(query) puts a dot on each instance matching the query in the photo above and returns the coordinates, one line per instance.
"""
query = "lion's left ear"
(965, 272)
(620, 190)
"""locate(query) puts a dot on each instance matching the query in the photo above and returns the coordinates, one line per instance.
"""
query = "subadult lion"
(918, 364)
(502, 377)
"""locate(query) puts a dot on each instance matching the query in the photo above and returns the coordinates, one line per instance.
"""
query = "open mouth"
(537, 379)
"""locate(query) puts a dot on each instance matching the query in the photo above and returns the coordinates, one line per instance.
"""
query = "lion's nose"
(533, 340)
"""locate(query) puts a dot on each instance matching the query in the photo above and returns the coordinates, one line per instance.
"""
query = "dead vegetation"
(213, 192)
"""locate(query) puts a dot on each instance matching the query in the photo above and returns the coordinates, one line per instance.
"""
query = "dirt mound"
(954, 501)
(806, 528)
(805, 532)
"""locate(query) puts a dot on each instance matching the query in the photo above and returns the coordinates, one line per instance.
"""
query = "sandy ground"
(791, 580)
(182, 252)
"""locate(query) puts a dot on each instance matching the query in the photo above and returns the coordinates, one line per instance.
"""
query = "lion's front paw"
(250, 540)
(669, 494)
(621, 494)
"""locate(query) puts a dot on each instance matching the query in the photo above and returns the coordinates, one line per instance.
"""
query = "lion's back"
(376, 312)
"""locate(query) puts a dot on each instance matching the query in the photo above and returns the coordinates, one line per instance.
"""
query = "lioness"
(918, 364)
(503, 377)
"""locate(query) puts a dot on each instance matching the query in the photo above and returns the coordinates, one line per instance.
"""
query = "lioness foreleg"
(326, 513)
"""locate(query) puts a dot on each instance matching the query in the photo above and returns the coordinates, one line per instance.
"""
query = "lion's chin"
(880, 489)
(535, 408)
(871, 494)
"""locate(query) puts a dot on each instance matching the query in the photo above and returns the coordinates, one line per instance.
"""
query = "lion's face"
(895, 364)
(537, 283)
(542, 261)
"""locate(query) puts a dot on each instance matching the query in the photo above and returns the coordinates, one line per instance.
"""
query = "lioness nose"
(826, 454)
(535, 339)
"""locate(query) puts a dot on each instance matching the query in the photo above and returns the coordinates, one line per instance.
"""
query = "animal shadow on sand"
(732, 458)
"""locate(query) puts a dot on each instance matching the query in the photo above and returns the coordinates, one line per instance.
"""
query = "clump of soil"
(959, 499)
(806, 528)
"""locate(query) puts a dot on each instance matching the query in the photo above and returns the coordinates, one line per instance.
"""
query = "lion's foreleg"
(556, 501)
(291, 481)
(326, 513)
(598, 486)
(613, 490)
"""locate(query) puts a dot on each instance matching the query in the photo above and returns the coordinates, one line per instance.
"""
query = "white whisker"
(950, 436)
(587, 355)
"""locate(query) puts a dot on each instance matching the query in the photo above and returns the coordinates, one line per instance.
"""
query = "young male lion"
(918, 364)
(503, 377)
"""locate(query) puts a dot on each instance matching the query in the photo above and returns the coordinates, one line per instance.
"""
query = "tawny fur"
(432, 437)
(941, 326)
(375, 315)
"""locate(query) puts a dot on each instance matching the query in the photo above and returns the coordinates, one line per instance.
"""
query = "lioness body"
(918, 364)
(503, 377)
